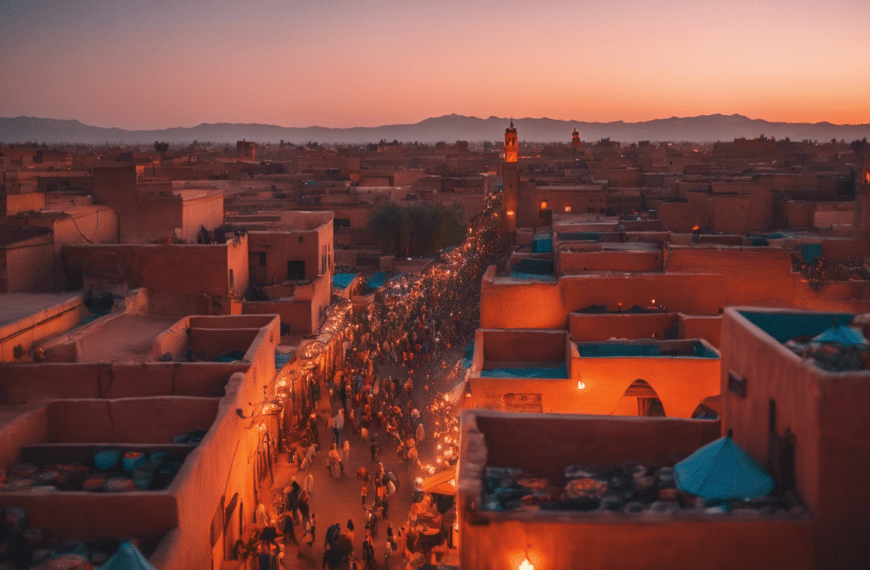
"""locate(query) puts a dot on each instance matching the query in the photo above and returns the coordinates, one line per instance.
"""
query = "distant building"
(246, 149)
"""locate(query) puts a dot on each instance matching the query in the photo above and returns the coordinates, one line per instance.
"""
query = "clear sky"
(138, 64)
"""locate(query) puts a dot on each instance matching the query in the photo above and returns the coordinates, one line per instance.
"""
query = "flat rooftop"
(126, 337)
(15, 307)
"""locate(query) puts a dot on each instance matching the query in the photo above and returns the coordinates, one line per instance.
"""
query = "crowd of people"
(409, 321)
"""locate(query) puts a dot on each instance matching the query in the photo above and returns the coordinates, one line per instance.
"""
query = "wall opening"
(295, 270)
(640, 399)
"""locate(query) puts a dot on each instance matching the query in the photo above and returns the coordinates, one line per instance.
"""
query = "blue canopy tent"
(721, 470)
(839, 334)
(127, 557)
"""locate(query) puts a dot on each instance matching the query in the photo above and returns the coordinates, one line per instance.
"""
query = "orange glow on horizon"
(345, 65)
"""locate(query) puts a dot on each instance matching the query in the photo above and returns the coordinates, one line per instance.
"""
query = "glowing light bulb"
(526, 565)
(580, 384)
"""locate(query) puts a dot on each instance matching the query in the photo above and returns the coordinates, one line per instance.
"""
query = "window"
(567, 208)
(341, 223)
(232, 280)
(295, 270)
(262, 259)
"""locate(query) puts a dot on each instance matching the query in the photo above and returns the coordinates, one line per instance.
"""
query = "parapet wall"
(546, 444)
(59, 381)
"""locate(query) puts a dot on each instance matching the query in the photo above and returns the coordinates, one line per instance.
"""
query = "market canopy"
(839, 334)
(443, 483)
(721, 470)
(127, 557)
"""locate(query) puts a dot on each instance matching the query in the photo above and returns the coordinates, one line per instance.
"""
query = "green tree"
(389, 228)
(419, 230)
(161, 146)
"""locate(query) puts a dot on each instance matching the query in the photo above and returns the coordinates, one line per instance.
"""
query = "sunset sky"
(142, 65)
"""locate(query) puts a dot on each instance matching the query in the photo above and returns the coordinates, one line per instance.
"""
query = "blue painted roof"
(342, 280)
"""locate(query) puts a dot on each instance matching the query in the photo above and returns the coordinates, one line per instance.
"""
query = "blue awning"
(721, 470)
(127, 557)
(838, 334)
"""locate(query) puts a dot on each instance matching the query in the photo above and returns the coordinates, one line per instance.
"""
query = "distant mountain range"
(449, 128)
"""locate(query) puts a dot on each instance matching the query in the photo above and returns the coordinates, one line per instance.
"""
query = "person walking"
(334, 462)
(374, 449)
(362, 476)
(292, 505)
(304, 503)
(289, 531)
(347, 450)
(310, 530)
(338, 425)
(350, 534)
(369, 553)
(309, 454)
(309, 486)
(388, 554)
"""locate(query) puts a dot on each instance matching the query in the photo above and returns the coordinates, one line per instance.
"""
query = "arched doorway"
(639, 400)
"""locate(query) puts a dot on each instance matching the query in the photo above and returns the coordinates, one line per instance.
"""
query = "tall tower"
(511, 146)
(575, 142)
(510, 179)
(862, 195)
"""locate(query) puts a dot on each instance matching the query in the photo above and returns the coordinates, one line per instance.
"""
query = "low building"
(189, 491)
(502, 452)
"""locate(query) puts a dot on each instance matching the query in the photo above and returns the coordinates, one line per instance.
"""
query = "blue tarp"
(537, 372)
(127, 557)
(811, 251)
(376, 280)
(542, 244)
(231, 356)
(521, 275)
(342, 280)
(721, 470)
(469, 355)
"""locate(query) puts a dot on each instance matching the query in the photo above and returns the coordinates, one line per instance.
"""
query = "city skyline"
(335, 64)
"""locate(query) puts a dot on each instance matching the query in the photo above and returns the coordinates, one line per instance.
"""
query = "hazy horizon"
(152, 65)
(192, 125)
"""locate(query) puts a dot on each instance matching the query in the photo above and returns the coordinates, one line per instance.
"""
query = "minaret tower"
(575, 143)
(510, 179)
(862, 193)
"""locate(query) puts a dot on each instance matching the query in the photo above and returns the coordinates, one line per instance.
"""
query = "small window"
(232, 279)
(262, 259)
(544, 204)
(567, 208)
